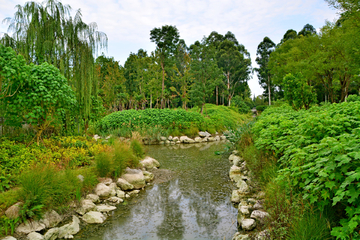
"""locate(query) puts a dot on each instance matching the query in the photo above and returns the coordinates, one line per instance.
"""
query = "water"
(194, 204)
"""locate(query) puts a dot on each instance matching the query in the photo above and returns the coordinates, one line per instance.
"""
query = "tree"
(166, 39)
(307, 30)
(265, 48)
(290, 34)
(47, 33)
(42, 100)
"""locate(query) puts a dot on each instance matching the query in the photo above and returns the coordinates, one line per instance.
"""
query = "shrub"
(137, 148)
(261, 108)
(103, 164)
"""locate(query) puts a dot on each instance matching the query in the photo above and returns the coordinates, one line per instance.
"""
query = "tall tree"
(166, 39)
(265, 48)
(307, 30)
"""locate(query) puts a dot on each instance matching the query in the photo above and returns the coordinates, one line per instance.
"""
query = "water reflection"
(194, 205)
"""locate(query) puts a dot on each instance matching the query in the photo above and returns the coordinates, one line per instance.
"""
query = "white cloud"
(128, 22)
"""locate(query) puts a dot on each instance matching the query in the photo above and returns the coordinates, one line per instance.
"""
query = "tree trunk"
(217, 95)
(269, 91)
(162, 85)
(228, 87)
(150, 101)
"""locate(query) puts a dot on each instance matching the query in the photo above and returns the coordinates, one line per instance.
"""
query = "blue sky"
(127, 23)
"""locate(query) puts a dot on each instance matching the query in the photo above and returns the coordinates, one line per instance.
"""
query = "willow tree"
(48, 33)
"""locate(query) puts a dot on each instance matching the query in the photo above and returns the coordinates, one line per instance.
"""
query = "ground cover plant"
(317, 152)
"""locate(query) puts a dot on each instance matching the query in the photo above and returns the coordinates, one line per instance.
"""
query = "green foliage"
(103, 164)
(240, 104)
(297, 91)
(261, 108)
(318, 152)
(137, 148)
(353, 98)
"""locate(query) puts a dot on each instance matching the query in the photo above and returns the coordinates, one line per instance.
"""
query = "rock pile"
(251, 214)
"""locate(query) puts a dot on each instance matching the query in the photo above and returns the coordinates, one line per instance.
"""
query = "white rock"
(148, 176)
(124, 185)
(217, 138)
(114, 200)
(236, 196)
(236, 160)
(244, 210)
(198, 139)
(30, 226)
(94, 217)
(51, 219)
(204, 134)
(235, 173)
(170, 138)
(149, 163)
(102, 190)
(211, 139)
(96, 137)
(93, 197)
(186, 139)
(239, 236)
(8, 238)
(243, 187)
(68, 230)
(235, 152)
(175, 139)
(35, 236)
(86, 205)
(222, 137)
(248, 224)
(135, 177)
(259, 215)
(258, 205)
(263, 235)
(52, 234)
(104, 208)
(13, 211)
(134, 193)
(106, 181)
(120, 194)
(163, 138)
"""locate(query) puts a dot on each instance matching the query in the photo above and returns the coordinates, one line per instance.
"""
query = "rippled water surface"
(194, 204)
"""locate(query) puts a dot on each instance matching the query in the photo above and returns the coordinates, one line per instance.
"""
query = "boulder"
(170, 138)
(167, 142)
(204, 134)
(175, 139)
(236, 160)
(94, 217)
(106, 181)
(103, 191)
(30, 226)
(124, 185)
(86, 205)
(240, 217)
(149, 163)
(52, 234)
(104, 208)
(93, 197)
(260, 216)
(244, 210)
(8, 238)
(96, 137)
(235, 152)
(13, 211)
(134, 193)
(35, 236)
(243, 187)
(222, 137)
(248, 224)
(135, 177)
(120, 194)
(235, 173)
(68, 230)
(217, 138)
(236, 196)
(185, 139)
(148, 176)
(114, 200)
(211, 139)
(258, 205)
(263, 235)
(162, 143)
(198, 139)
(163, 138)
(51, 219)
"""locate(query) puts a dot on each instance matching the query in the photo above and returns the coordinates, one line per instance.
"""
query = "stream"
(193, 204)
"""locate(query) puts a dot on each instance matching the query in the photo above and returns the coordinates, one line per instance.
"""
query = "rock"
(243, 187)
(102, 190)
(113, 188)
(170, 138)
(175, 139)
(30, 226)
(106, 181)
(8, 238)
(51, 219)
(236, 160)
(236, 196)
(86, 205)
(259, 215)
(135, 177)
(13, 211)
(35, 236)
(248, 224)
(163, 138)
(244, 210)
(93, 197)
(104, 208)
(204, 134)
(211, 139)
(52, 234)
(185, 139)
(260, 195)
(198, 139)
(217, 138)
(222, 137)
(263, 235)
(134, 193)
(251, 201)
(148, 176)
(120, 194)
(124, 185)
(162, 143)
(94, 217)
(239, 236)
(235, 173)
(127, 195)
(80, 177)
(167, 142)
(235, 152)
(149, 163)
(68, 230)
(240, 217)
(258, 205)
(96, 137)
(114, 200)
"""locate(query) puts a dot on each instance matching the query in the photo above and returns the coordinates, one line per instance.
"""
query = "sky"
(128, 23)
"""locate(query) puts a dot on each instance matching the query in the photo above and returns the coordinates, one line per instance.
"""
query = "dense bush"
(318, 152)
